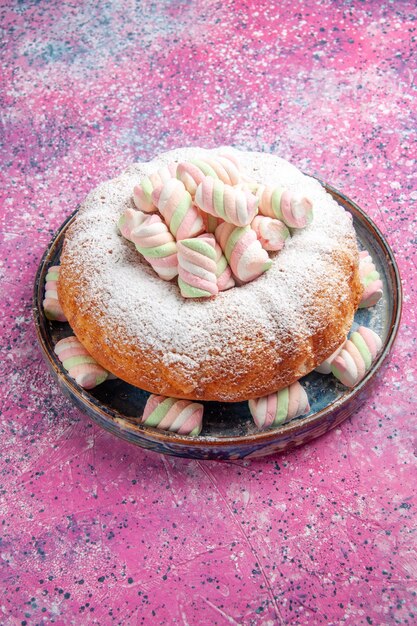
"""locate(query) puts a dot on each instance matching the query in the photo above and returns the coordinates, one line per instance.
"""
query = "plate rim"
(109, 417)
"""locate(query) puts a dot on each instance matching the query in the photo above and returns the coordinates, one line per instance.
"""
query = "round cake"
(246, 342)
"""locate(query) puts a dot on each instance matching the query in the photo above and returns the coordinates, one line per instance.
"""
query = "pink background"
(95, 531)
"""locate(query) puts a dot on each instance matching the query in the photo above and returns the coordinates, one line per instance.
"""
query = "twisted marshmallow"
(193, 172)
(245, 255)
(154, 241)
(224, 276)
(326, 366)
(271, 233)
(356, 356)
(230, 156)
(129, 221)
(79, 363)
(176, 207)
(370, 280)
(142, 193)
(294, 210)
(197, 267)
(279, 407)
(234, 205)
(51, 305)
(180, 416)
(210, 221)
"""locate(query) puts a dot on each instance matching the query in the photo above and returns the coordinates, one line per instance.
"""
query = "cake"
(246, 342)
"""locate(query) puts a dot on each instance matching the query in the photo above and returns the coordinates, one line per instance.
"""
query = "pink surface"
(95, 531)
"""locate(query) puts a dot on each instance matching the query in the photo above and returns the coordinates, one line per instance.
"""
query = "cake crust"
(246, 342)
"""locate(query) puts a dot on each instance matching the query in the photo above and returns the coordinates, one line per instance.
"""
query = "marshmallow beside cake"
(245, 342)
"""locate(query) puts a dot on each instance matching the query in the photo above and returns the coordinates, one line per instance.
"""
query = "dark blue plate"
(229, 431)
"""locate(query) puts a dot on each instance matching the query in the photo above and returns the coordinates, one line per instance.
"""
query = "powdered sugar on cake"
(130, 301)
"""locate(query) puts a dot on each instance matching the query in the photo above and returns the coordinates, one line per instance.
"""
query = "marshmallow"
(51, 306)
(224, 167)
(370, 279)
(197, 267)
(356, 356)
(279, 407)
(181, 416)
(130, 220)
(176, 207)
(224, 276)
(142, 193)
(154, 241)
(231, 204)
(271, 233)
(79, 363)
(326, 366)
(245, 255)
(294, 210)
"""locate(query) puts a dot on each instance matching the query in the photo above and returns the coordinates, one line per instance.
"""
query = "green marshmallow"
(158, 251)
(192, 292)
(200, 246)
(283, 399)
(180, 213)
(221, 265)
(204, 167)
(360, 344)
(52, 275)
(159, 412)
(370, 278)
(147, 187)
(276, 202)
(78, 360)
(218, 198)
(235, 235)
